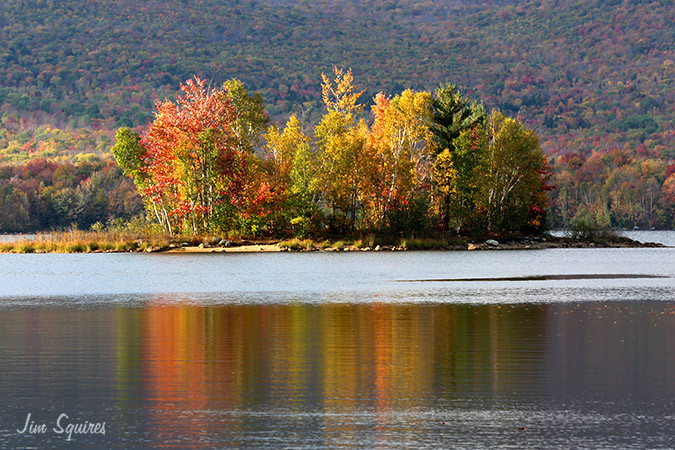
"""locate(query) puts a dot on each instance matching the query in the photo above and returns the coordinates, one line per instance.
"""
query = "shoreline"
(529, 243)
(175, 245)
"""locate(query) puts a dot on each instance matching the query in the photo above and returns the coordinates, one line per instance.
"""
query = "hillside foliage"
(591, 78)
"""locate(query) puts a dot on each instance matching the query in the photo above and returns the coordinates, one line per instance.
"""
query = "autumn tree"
(14, 207)
(343, 161)
(341, 143)
(250, 119)
(457, 179)
(513, 186)
(339, 95)
(402, 143)
(130, 154)
(296, 169)
(187, 163)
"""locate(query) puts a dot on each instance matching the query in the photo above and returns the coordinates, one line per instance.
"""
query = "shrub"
(297, 244)
(584, 226)
(423, 244)
(410, 218)
(74, 248)
(27, 248)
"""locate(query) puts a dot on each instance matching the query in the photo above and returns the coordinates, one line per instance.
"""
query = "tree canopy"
(197, 173)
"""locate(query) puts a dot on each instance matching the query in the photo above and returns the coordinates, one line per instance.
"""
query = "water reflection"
(367, 374)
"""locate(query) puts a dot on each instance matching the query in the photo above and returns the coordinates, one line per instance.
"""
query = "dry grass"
(298, 244)
(77, 241)
(126, 240)
(309, 244)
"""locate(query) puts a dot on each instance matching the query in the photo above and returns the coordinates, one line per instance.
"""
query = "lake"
(550, 348)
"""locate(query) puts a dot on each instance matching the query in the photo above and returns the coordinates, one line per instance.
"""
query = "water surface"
(552, 348)
(38, 279)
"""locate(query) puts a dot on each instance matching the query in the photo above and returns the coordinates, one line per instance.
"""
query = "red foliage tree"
(191, 159)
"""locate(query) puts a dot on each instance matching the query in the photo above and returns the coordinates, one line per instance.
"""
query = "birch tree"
(514, 177)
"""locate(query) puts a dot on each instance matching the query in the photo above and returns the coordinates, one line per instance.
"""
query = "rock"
(172, 246)
(377, 249)
(201, 245)
(473, 247)
(184, 244)
(225, 243)
(492, 243)
(366, 249)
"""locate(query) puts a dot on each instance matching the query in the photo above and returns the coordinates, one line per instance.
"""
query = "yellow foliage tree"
(283, 145)
(339, 95)
(513, 195)
(402, 141)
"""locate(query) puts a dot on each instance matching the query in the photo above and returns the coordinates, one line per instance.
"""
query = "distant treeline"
(613, 189)
(46, 195)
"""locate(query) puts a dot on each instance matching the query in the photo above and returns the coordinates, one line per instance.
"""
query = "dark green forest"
(592, 78)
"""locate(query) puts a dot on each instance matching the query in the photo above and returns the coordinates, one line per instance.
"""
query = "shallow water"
(327, 350)
(62, 279)
(664, 237)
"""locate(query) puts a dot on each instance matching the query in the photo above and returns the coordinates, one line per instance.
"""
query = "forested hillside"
(588, 76)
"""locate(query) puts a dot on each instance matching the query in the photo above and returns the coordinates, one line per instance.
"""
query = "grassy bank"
(373, 243)
(77, 241)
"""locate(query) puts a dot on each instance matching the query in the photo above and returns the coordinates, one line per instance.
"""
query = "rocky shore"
(104, 243)
(523, 243)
